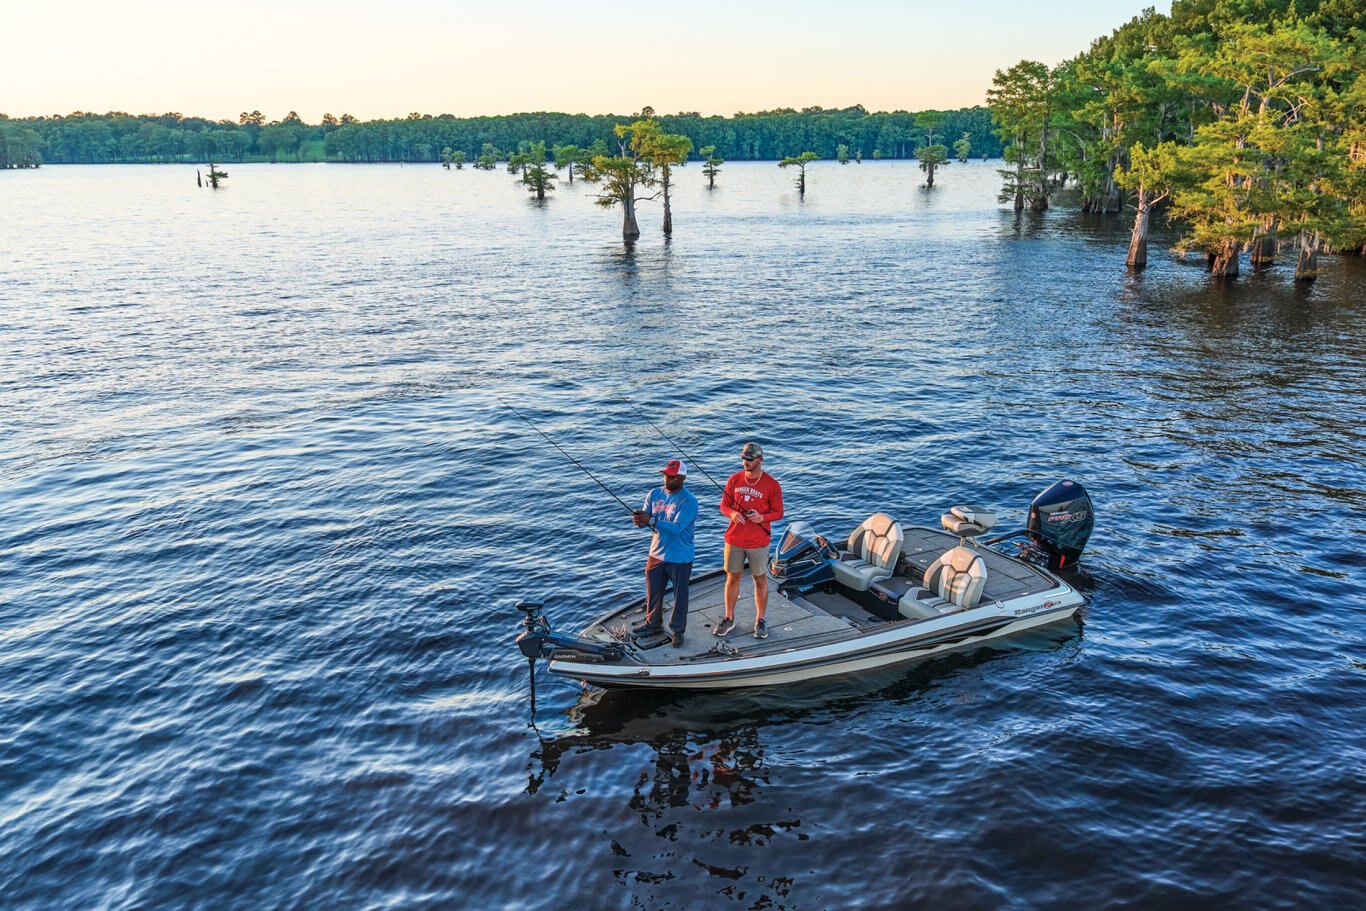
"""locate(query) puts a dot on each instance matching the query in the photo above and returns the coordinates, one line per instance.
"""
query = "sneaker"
(724, 627)
(760, 629)
(643, 626)
(676, 639)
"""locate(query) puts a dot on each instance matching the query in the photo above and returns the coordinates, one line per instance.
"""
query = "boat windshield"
(797, 534)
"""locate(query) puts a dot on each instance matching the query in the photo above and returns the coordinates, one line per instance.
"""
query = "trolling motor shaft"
(538, 640)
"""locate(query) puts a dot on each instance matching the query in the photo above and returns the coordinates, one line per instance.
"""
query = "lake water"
(263, 519)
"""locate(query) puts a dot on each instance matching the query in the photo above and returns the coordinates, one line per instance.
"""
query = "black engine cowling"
(1060, 523)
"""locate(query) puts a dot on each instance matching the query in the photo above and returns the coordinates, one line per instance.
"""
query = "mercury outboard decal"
(1060, 523)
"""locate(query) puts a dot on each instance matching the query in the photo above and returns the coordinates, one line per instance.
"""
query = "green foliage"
(20, 147)
(963, 147)
(1247, 115)
(488, 158)
(800, 162)
(663, 151)
(842, 153)
(537, 179)
(711, 165)
(451, 157)
(931, 157)
(767, 135)
(930, 122)
(623, 177)
(569, 157)
(1022, 101)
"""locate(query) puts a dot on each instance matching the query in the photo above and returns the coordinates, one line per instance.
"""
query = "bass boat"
(888, 594)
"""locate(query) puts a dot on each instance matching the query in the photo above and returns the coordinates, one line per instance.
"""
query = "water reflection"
(717, 799)
(708, 745)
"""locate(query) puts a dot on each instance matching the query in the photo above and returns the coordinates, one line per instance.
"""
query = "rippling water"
(264, 518)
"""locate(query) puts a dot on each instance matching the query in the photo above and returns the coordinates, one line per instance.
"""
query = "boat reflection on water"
(725, 726)
(708, 777)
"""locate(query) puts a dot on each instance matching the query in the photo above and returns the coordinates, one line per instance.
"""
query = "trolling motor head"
(532, 611)
(538, 640)
(1060, 523)
(532, 640)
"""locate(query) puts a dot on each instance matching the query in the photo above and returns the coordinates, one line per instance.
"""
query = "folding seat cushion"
(871, 554)
(968, 521)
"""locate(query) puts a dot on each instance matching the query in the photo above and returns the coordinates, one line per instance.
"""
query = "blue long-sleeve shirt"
(674, 516)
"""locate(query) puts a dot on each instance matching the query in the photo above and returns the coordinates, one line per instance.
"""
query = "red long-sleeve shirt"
(764, 495)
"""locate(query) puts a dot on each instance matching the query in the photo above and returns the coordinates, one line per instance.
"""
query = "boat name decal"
(1020, 612)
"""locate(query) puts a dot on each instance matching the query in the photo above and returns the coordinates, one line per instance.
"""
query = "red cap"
(673, 469)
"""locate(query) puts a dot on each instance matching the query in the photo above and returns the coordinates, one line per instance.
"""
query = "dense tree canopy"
(1247, 118)
(20, 147)
(90, 138)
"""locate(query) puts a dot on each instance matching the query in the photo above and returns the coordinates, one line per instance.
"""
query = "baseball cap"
(673, 469)
(751, 450)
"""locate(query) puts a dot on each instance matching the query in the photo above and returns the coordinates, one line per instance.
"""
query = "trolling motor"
(1060, 522)
(538, 640)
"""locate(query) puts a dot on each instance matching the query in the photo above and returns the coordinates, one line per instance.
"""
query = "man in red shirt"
(752, 501)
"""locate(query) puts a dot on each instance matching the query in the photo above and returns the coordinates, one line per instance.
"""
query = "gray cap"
(751, 450)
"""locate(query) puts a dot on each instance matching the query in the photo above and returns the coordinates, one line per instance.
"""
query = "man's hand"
(754, 516)
(641, 518)
(738, 517)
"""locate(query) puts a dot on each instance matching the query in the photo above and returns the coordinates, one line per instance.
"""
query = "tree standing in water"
(1150, 175)
(663, 151)
(1021, 100)
(963, 147)
(216, 175)
(622, 177)
(800, 162)
(570, 157)
(932, 154)
(538, 179)
(712, 166)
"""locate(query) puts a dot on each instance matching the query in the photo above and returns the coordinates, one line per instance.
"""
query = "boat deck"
(813, 617)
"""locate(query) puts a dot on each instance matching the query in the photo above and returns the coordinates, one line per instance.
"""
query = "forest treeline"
(87, 138)
(1243, 120)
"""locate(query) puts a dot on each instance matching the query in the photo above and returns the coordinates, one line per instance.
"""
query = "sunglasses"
(745, 458)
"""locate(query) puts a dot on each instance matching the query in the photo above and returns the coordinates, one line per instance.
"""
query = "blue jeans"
(658, 574)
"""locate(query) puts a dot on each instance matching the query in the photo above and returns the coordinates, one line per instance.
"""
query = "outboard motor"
(802, 559)
(1060, 523)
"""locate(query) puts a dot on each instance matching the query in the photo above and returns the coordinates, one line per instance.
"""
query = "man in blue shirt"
(672, 512)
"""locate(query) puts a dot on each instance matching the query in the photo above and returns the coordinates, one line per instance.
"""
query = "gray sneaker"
(760, 629)
(724, 627)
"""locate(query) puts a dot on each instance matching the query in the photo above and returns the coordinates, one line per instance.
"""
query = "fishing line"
(567, 456)
(669, 441)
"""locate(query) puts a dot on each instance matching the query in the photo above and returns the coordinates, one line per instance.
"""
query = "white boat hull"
(900, 643)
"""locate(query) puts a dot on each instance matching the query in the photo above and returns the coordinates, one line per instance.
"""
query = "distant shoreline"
(120, 138)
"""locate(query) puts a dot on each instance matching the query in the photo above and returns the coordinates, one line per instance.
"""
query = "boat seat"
(958, 576)
(871, 554)
(968, 521)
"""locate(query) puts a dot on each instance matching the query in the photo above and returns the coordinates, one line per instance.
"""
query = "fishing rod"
(669, 441)
(568, 456)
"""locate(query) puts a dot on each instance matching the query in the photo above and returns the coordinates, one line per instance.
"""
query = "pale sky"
(386, 58)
